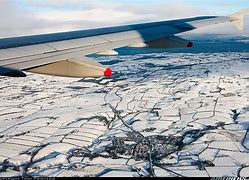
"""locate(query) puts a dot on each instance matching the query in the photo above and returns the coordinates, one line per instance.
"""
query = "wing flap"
(81, 67)
(77, 43)
(12, 53)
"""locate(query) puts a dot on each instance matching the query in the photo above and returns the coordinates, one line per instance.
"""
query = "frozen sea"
(164, 113)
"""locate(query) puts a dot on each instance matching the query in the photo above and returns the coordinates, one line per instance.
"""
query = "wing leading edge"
(58, 54)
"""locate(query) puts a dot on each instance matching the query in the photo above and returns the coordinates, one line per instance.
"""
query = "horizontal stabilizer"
(165, 43)
(82, 67)
(238, 18)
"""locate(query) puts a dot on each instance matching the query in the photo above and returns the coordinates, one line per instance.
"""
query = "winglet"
(238, 18)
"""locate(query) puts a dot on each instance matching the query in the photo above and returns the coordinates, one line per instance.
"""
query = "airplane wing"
(64, 54)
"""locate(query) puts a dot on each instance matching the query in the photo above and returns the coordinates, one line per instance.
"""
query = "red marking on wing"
(108, 72)
(190, 44)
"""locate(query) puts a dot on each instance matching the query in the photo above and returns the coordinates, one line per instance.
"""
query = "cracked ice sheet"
(52, 126)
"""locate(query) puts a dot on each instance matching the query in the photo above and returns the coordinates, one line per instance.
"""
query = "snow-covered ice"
(159, 115)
